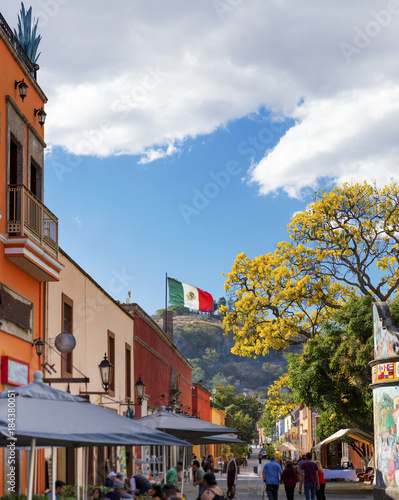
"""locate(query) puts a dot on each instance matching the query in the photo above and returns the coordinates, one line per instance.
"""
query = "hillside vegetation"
(200, 338)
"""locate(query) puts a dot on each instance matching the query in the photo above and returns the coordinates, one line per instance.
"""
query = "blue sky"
(188, 215)
(152, 103)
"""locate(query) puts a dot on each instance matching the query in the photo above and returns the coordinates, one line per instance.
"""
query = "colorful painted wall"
(385, 385)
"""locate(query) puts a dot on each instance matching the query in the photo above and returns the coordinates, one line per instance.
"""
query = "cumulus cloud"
(139, 78)
(352, 136)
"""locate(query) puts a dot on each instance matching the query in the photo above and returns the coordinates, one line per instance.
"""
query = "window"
(35, 180)
(128, 372)
(66, 326)
(111, 357)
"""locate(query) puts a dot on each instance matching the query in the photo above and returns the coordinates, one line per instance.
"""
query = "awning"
(353, 433)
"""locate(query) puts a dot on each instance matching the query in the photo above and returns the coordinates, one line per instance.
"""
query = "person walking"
(231, 478)
(310, 477)
(260, 456)
(271, 476)
(320, 495)
(289, 478)
(300, 462)
(198, 476)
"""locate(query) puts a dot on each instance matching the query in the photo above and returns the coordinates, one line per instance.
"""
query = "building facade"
(28, 229)
(78, 305)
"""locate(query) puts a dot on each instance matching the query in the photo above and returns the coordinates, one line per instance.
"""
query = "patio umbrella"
(45, 416)
(191, 429)
(220, 438)
(57, 418)
(287, 446)
(183, 427)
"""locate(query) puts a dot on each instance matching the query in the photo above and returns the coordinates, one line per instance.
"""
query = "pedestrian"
(212, 490)
(198, 477)
(271, 476)
(289, 478)
(320, 492)
(300, 462)
(260, 456)
(59, 490)
(172, 474)
(310, 477)
(231, 478)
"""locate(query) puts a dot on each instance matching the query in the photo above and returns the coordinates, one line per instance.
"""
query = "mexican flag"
(182, 294)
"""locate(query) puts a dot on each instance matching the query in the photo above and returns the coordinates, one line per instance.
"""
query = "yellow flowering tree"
(344, 243)
(280, 401)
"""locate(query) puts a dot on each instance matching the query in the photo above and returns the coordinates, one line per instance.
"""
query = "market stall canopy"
(287, 446)
(57, 418)
(353, 433)
(183, 427)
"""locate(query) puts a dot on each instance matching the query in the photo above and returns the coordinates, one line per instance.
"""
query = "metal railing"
(27, 216)
(32, 67)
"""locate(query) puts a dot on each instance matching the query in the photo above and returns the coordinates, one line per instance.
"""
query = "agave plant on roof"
(26, 33)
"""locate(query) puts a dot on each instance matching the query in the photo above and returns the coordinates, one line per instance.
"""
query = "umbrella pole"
(53, 470)
(78, 473)
(182, 478)
(164, 463)
(31, 467)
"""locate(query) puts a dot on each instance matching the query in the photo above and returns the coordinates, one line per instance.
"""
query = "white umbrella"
(287, 446)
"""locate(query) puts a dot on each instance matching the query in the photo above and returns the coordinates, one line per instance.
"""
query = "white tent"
(353, 433)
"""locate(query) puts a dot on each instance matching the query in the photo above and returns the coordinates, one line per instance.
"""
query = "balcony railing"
(27, 216)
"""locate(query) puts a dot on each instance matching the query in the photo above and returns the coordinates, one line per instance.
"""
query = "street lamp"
(106, 372)
(140, 390)
(22, 88)
(39, 346)
(41, 114)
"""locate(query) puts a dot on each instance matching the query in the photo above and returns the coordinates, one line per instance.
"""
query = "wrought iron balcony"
(27, 216)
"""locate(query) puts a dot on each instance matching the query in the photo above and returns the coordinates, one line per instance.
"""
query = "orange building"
(28, 230)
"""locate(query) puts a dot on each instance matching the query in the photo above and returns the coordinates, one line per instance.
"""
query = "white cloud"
(352, 136)
(140, 77)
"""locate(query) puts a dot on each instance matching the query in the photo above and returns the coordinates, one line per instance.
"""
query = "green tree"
(333, 373)
(211, 355)
(219, 379)
(242, 412)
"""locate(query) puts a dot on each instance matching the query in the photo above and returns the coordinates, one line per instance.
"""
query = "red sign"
(14, 371)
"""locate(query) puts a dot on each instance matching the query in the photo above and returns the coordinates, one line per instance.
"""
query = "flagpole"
(166, 303)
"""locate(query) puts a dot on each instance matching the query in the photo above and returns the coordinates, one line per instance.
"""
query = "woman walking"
(320, 492)
(289, 478)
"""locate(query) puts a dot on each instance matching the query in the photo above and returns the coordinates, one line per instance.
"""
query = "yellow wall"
(94, 313)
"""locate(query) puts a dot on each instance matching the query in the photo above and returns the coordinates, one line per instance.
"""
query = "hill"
(200, 338)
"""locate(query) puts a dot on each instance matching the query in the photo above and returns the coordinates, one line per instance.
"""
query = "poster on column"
(386, 428)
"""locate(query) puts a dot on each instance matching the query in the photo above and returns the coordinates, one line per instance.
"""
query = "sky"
(181, 133)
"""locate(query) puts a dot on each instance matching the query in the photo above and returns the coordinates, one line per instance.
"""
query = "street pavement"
(250, 485)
